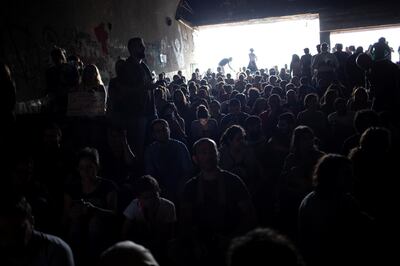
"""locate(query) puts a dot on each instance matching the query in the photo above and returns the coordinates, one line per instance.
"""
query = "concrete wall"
(97, 30)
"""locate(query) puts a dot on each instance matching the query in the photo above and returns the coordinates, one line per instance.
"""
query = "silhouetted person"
(167, 160)
(355, 75)
(90, 206)
(223, 63)
(295, 66)
(332, 229)
(149, 219)
(252, 61)
(305, 62)
(61, 77)
(326, 64)
(384, 77)
(341, 57)
(263, 246)
(363, 119)
(138, 105)
(216, 206)
(21, 244)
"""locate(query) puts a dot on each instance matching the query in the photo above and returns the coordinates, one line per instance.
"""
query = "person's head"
(215, 107)
(333, 175)
(311, 101)
(147, 191)
(203, 93)
(88, 163)
(202, 112)
(274, 101)
(273, 80)
(91, 76)
(289, 86)
(259, 106)
(58, 56)
(330, 96)
(233, 137)
(306, 50)
(286, 122)
(375, 140)
(253, 127)
(318, 48)
(234, 106)
(242, 98)
(179, 97)
(159, 95)
(228, 76)
(136, 48)
(254, 93)
(277, 90)
(52, 136)
(295, 58)
(360, 95)
(364, 119)
(359, 50)
(302, 139)
(127, 253)
(16, 222)
(263, 246)
(324, 47)
(364, 61)
(339, 47)
(161, 131)
(295, 80)
(205, 154)
(291, 96)
(116, 139)
(340, 106)
(251, 50)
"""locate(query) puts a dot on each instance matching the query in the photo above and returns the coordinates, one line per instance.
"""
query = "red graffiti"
(102, 37)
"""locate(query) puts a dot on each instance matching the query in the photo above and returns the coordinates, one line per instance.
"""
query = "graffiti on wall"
(28, 54)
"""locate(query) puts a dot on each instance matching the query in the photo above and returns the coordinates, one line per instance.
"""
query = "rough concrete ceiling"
(203, 12)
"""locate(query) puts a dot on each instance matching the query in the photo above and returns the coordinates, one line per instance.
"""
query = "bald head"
(127, 253)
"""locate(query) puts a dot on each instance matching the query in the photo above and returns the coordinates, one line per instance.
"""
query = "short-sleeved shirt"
(43, 250)
(165, 214)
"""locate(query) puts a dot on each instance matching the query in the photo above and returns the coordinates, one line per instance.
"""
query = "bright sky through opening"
(274, 42)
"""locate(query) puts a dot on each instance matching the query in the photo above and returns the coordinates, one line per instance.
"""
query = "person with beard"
(167, 160)
(138, 106)
(216, 207)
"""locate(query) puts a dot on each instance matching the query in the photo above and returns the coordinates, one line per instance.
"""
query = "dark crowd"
(264, 166)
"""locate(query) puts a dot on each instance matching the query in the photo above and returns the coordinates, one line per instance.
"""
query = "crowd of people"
(291, 166)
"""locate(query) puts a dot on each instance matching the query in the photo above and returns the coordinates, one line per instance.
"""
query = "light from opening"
(274, 42)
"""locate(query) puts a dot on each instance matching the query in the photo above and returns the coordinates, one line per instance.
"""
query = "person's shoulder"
(230, 177)
(166, 204)
(51, 241)
(178, 143)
